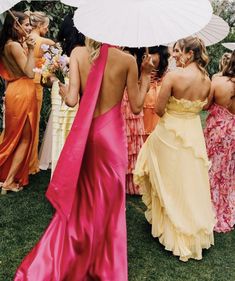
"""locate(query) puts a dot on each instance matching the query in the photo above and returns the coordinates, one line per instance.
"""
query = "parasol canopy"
(140, 23)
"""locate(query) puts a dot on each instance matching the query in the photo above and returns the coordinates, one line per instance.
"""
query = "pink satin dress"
(86, 239)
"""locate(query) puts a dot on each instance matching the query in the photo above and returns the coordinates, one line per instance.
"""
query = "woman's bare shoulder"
(221, 80)
(13, 44)
(13, 47)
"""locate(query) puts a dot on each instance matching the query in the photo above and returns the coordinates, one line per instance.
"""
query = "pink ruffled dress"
(134, 125)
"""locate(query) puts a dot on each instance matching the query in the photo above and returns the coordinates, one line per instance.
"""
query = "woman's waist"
(182, 114)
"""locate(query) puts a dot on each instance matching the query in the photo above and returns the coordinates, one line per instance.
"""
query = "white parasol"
(215, 31)
(140, 23)
(73, 3)
(7, 4)
(229, 45)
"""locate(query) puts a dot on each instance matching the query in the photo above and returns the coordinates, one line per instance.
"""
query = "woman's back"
(114, 79)
(190, 84)
(9, 59)
(224, 92)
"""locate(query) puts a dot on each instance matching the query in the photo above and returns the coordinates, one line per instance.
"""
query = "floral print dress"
(220, 141)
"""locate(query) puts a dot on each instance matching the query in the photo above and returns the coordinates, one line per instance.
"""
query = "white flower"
(44, 47)
(37, 70)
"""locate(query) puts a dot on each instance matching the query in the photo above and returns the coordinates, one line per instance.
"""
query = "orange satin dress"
(34, 162)
(20, 105)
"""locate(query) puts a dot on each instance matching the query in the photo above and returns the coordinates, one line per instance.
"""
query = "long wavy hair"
(197, 46)
(93, 48)
(8, 31)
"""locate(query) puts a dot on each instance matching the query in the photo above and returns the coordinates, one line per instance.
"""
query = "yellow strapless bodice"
(184, 107)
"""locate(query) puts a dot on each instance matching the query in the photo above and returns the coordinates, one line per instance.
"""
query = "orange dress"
(150, 116)
(21, 104)
(34, 162)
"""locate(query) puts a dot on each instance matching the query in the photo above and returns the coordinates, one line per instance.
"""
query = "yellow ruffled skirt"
(172, 172)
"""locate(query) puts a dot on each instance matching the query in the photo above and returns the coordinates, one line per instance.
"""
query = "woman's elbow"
(30, 75)
(159, 112)
(71, 103)
(136, 110)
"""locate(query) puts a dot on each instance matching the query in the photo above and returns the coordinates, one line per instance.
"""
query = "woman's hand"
(147, 65)
(63, 91)
(30, 41)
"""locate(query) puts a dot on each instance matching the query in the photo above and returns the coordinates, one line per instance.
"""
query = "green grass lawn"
(24, 216)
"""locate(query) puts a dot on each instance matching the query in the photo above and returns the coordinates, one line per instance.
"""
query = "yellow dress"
(172, 172)
(58, 128)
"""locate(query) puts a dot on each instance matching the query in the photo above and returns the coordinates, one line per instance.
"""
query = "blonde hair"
(197, 46)
(37, 18)
(224, 61)
(93, 48)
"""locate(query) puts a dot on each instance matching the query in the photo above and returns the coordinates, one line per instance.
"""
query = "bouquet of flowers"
(53, 63)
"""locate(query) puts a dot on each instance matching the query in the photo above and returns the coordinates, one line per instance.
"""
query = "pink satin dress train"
(86, 239)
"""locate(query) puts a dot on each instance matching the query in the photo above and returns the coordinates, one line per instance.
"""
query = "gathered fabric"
(172, 172)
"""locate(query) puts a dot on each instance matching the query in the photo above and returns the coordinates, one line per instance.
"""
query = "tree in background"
(224, 9)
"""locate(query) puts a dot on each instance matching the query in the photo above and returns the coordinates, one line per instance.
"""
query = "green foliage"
(216, 51)
(224, 9)
(55, 10)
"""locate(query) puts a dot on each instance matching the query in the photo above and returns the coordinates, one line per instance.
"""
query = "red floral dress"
(220, 142)
(134, 125)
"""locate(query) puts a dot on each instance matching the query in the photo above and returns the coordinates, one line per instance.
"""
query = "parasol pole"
(147, 51)
(17, 22)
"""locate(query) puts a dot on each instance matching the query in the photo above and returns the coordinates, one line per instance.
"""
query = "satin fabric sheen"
(86, 239)
(21, 104)
(34, 162)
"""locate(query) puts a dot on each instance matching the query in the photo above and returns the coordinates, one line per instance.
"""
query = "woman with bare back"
(220, 142)
(16, 67)
(172, 166)
(86, 240)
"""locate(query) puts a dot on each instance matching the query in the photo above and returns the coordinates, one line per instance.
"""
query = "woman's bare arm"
(211, 95)
(25, 63)
(136, 93)
(164, 94)
(70, 93)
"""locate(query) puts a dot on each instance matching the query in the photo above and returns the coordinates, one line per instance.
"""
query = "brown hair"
(8, 31)
(196, 45)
